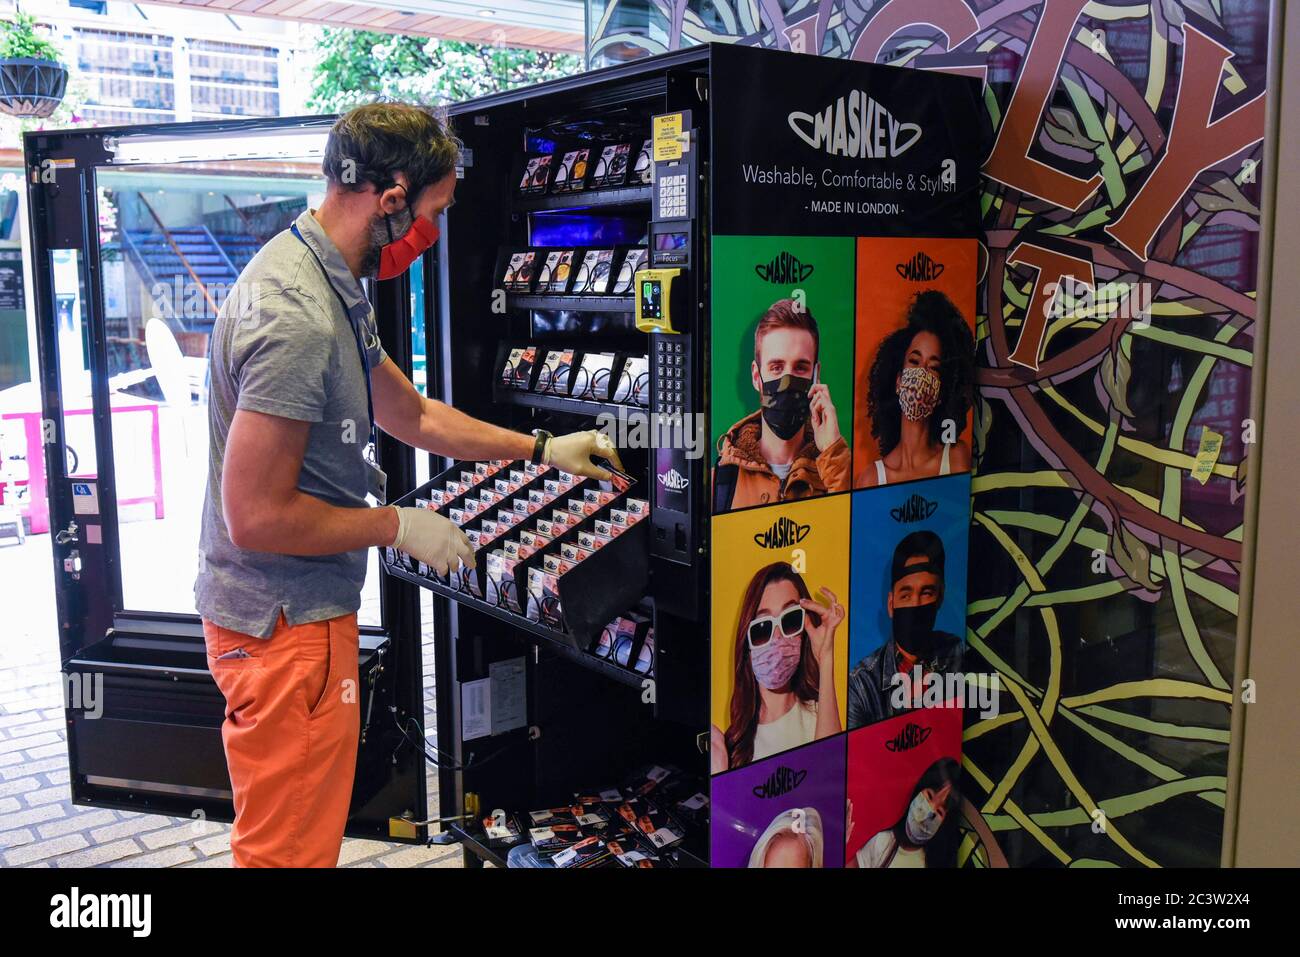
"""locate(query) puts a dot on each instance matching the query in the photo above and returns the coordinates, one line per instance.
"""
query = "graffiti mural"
(1111, 433)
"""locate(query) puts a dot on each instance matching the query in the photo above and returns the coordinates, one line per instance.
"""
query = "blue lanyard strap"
(356, 332)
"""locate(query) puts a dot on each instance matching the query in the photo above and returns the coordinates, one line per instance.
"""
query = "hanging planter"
(31, 87)
(32, 80)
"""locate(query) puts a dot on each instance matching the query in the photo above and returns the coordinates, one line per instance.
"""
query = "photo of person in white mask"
(927, 833)
(793, 839)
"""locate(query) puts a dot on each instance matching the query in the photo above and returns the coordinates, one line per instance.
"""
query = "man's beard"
(381, 237)
(378, 239)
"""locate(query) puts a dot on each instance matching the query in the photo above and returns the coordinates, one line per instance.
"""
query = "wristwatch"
(541, 437)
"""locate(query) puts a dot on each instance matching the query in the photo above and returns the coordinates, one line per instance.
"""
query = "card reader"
(654, 297)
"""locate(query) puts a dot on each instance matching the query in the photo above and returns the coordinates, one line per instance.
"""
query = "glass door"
(139, 237)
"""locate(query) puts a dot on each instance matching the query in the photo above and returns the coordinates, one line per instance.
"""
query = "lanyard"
(356, 332)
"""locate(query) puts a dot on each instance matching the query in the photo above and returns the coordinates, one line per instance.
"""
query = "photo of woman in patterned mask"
(784, 692)
(926, 834)
(919, 394)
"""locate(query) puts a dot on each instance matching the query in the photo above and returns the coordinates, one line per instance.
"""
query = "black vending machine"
(659, 250)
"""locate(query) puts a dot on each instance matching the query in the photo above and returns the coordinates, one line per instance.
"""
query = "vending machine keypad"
(671, 190)
(672, 376)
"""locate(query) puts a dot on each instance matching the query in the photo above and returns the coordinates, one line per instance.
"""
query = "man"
(915, 595)
(296, 369)
(792, 447)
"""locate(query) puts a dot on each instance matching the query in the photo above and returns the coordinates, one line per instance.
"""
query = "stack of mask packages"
(628, 826)
(513, 511)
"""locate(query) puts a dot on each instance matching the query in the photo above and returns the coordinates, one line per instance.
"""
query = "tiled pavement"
(39, 827)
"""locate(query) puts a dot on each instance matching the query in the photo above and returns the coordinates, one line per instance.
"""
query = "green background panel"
(741, 296)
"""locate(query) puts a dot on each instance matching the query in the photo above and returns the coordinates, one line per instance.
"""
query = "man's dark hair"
(929, 311)
(923, 544)
(786, 314)
(371, 143)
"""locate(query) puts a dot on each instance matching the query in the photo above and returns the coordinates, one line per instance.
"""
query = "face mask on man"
(918, 392)
(913, 627)
(401, 245)
(923, 821)
(785, 404)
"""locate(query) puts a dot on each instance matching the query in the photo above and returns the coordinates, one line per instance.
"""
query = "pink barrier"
(37, 510)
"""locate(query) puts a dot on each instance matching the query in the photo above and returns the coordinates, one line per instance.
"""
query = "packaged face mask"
(590, 541)
(517, 373)
(634, 259)
(643, 167)
(521, 269)
(537, 174)
(556, 374)
(500, 570)
(552, 839)
(589, 852)
(612, 165)
(597, 497)
(593, 377)
(501, 830)
(593, 275)
(550, 816)
(633, 382)
(536, 591)
(571, 554)
(645, 658)
(571, 173)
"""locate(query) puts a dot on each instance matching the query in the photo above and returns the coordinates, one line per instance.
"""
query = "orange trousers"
(290, 735)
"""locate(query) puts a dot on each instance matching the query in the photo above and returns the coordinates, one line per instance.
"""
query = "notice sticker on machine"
(669, 140)
(475, 709)
(85, 498)
(508, 696)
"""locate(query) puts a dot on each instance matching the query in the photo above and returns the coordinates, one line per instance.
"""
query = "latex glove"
(573, 452)
(430, 538)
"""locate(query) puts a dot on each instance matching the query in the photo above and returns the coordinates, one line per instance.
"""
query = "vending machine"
(754, 271)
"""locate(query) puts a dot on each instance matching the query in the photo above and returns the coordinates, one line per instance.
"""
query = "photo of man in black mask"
(791, 448)
(915, 596)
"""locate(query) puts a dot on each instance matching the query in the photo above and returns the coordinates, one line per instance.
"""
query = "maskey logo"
(855, 125)
(920, 268)
(74, 909)
(781, 781)
(673, 480)
(910, 737)
(916, 509)
(783, 533)
(783, 270)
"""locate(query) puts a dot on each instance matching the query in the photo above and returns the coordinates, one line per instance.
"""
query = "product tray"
(592, 593)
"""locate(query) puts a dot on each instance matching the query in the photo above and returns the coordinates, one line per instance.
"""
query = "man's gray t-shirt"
(284, 345)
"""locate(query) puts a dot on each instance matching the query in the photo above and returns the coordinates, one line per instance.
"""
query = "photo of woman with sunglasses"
(927, 833)
(783, 694)
(918, 389)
